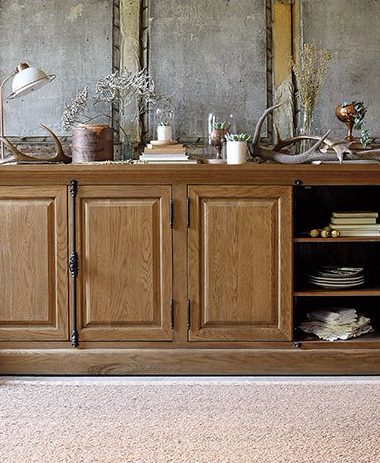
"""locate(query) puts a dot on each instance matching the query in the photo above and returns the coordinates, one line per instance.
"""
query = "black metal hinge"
(74, 338)
(188, 212)
(188, 305)
(73, 188)
(171, 213)
(74, 264)
(172, 314)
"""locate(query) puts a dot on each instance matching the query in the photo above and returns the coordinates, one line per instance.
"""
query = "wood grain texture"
(240, 263)
(190, 361)
(33, 263)
(250, 174)
(125, 259)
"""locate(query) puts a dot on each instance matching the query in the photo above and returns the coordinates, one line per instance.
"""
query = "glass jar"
(164, 123)
(218, 124)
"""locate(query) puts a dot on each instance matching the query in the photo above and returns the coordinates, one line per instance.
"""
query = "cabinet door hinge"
(73, 188)
(172, 314)
(188, 306)
(188, 212)
(171, 213)
(74, 264)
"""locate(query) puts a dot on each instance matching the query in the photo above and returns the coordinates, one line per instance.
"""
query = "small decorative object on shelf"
(326, 232)
(165, 124)
(217, 128)
(92, 142)
(237, 148)
(310, 70)
(352, 114)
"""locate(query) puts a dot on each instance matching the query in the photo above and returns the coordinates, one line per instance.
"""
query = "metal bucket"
(92, 142)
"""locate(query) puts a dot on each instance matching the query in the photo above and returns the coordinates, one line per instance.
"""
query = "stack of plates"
(337, 277)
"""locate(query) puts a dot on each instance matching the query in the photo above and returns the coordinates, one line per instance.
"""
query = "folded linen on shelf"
(332, 325)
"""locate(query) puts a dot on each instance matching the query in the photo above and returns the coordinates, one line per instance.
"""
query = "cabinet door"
(125, 263)
(33, 264)
(240, 272)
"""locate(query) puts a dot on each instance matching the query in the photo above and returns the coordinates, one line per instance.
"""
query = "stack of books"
(355, 223)
(166, 153)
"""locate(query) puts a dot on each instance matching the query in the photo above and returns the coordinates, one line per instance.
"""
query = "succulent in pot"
(164, 120)
(164, 131)
(237, 147)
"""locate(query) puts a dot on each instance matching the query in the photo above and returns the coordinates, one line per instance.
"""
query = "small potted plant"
(352, 114)
(217, 136)
(237, 147)
(164, 125)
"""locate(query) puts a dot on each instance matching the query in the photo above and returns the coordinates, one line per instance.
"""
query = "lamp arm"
(2, 109)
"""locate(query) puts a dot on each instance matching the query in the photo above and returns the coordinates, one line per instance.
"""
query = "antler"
(18, 156)
(259, 126)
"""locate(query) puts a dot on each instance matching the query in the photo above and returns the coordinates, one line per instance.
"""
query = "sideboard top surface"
(264, 174)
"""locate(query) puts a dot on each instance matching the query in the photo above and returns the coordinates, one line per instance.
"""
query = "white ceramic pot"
(237, 152)
(164, 133)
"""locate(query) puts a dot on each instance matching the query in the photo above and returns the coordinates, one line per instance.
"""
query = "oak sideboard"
(120, 269)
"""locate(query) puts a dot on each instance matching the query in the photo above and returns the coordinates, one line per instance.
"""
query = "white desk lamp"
(26, 80)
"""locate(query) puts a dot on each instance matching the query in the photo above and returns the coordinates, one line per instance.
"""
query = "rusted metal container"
(92, 142)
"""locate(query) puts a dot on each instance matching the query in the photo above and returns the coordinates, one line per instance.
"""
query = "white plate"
(335, 286)
(338, 272)
(336, 280)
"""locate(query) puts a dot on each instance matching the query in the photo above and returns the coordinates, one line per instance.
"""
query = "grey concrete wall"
(350, 29)
(210, 55)
(70, 38)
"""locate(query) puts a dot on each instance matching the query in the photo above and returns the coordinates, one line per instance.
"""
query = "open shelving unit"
(313, 206)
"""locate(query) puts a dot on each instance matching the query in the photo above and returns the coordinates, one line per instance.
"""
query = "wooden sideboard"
(141, 269)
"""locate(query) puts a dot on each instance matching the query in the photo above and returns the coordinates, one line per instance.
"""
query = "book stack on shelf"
(170, 152)
(355, 223)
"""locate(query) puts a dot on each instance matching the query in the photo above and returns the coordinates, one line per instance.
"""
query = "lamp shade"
(28, 79)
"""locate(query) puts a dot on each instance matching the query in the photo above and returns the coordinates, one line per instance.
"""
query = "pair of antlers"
(338, 150)
(18, 156)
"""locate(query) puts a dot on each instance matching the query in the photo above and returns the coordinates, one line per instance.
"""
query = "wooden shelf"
(345, 239)
(338, 292)
(309, 340)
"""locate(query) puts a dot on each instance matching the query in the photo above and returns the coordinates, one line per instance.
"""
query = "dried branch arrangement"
(121, 88)
(310, 72)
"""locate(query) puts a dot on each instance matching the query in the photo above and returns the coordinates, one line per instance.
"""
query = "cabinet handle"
(298, 182)
(298, 345)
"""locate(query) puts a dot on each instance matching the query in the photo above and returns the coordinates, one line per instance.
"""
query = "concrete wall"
(350, 29)
(210, 55)
(70, 38)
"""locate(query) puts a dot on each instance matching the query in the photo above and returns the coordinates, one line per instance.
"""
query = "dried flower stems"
(310, 71)
(120, 88)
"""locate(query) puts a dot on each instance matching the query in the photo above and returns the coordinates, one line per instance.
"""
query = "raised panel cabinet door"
(33, 264)
(125, 263)
(240, 272)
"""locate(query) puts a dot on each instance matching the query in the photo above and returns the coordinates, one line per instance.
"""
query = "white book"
(345, 233)
(353, 220)
(374, 226)
(355, 214)
(188, 161)
(158, 157)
